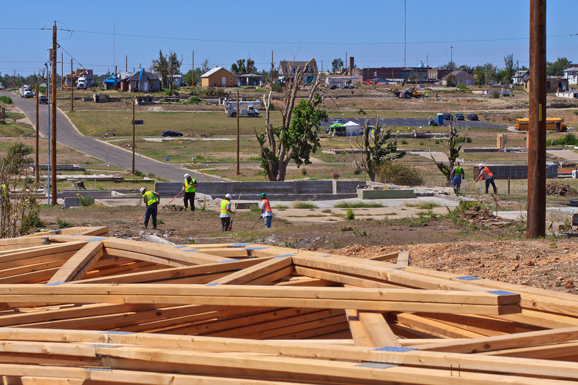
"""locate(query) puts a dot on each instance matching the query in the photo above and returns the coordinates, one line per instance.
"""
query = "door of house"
(145, 86)
(224, 81)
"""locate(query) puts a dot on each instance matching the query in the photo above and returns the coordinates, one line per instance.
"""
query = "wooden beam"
(79, 264)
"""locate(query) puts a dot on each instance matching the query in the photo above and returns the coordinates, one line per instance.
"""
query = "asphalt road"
(68, 136)
(413, 122)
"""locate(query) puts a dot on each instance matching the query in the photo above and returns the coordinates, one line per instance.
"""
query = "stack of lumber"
(79, 307)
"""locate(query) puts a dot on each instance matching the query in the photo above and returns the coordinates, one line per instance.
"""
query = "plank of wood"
(384, 257)
(250, 273)
(79, 264)
(436, 326)
(377, 329)
(358, 333)
(343, 278)
(173, 273)
(403, 258)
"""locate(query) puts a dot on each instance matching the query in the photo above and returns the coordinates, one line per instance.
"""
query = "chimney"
(351, 64)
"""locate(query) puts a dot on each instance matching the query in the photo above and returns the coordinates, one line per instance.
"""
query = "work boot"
(154, 227)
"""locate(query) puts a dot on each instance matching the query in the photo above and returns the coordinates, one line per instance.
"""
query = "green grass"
(304, 205)
(423, 205)
(356, 205)
(118, 123)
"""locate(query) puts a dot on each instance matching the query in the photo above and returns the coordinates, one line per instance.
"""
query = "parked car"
(338, 120)
(472, 117)
(43, 99)
(459, 117)
(171, 133)
(28, 94)
(447, 116)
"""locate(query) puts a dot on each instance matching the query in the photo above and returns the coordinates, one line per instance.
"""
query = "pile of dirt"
(561, 190)
(477, 213)
(547, 264)
(172, 208)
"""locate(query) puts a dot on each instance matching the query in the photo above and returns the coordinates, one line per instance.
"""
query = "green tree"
(557, 68)
(454, 146)
(205, 65)
(509, 68)
(336, 65)
(480, 75)
(376, 150)
(173, 68)
(297, 136)
(161, 66)
(239, 67)
(451, 80)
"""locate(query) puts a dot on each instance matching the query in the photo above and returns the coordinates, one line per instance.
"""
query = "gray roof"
(147, 75)
(572, 69)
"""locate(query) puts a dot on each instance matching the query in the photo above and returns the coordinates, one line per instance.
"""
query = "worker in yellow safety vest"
(266, 212)
(456, 176)
(190, 186)
(151, 200)
(488, 176)
(226, 213)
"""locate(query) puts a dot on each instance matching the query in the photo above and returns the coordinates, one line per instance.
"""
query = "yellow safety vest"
(150, 198)
(190, 187)
(224, 204)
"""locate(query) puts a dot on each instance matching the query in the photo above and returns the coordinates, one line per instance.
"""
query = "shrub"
(361, 112)
(399, 173)
(277, 87)
(569, 139)
(62, 224)
(195, 100)
(85, 200)
(357, 205)
(403, 141)
(6, 99)
(357, 171)
(168, 92)
(349, 215)
(304, 171)
(495, 95)
(462, 87)
(336, 175)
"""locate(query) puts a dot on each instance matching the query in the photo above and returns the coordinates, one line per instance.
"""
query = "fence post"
(508, 186)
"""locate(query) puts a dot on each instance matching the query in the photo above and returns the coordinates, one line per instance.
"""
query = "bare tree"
(296, 137)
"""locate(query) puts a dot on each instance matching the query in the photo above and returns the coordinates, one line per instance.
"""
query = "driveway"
(67, 135)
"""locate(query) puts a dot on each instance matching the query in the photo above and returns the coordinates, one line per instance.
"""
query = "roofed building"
(144, 81)
(288, 69)
(460, 77)
(219, 77)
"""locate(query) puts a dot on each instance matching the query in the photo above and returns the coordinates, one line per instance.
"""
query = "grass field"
(96, 123)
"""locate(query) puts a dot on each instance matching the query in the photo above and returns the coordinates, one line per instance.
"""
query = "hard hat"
(187, 176)
(480, 166)
(143, 189)
(263, 195)
(228, 196)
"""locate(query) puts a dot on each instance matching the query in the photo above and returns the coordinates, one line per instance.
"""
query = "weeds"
(62, 224)
(304, 205)
(422, 206)
(356, 205)
(349, 215)
(85, 200)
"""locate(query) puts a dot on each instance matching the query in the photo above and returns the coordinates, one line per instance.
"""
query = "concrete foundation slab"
(385, 194)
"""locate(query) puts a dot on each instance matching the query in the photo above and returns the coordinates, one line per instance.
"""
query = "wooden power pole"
(238, 112)
(133, 135)
(193, 73)
(53, 117)
(71, 87)
(536, 220)
(37, 157)
(126, 63)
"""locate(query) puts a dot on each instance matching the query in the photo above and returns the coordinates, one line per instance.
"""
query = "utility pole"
(71, 87)
(272, 67)
(36, 169)
(53, 138)
(238, 111)
(344, 64)
(193, 71)
(536, 218)
(451, 55)
(126, 63)
(133, 135)
(62, 70)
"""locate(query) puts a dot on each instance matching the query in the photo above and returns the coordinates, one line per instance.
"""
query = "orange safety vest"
(267, 205)
(488, 172)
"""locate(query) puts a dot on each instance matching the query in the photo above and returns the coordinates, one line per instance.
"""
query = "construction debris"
(560, 189)
(78, 305)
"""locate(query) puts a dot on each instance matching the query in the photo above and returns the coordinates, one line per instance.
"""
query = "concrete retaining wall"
(516, 172)
(276, 190)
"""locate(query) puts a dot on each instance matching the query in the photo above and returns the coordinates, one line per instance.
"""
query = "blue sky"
(292, 29)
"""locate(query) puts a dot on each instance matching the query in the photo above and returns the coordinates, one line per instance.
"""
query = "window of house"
(230, 78)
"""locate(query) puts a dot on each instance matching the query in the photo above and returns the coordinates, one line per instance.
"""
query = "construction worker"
(151, 200)
(190, 186)
(456, 177)
(266, 212)
(226, 213)
(488, 176)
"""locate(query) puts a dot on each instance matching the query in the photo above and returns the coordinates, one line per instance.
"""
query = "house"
(571, 74)
(144, 81)
(288, 69)
(553, 84)
(461, 77)
(177, 80)
(435, 75)
(249, 80)
(520, 76)
(110, 83)
(219, 77)
(81, 72)
(570, 94)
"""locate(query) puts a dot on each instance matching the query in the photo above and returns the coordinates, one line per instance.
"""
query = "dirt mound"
(561, 190)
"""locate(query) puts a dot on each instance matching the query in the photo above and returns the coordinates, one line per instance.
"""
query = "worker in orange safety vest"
(266, 212)
(488, 177)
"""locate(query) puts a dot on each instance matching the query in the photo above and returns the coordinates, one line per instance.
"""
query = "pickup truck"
(249, 111)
